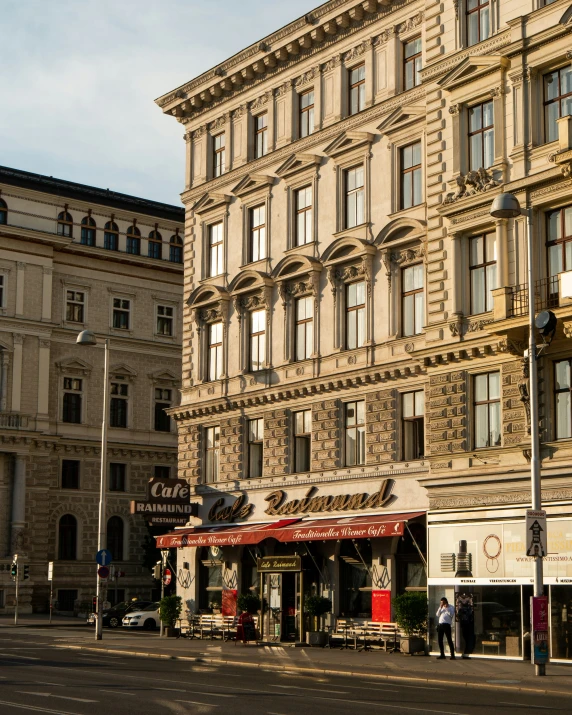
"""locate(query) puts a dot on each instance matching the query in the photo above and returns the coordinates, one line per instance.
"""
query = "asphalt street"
(36, 676)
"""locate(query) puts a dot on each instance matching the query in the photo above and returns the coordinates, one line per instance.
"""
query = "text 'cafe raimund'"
(360, 542)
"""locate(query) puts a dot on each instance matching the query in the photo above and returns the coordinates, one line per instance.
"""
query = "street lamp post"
(506, 205)
(87, 337)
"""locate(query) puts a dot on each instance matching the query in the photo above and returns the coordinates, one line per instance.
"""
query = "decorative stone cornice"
(523, 497)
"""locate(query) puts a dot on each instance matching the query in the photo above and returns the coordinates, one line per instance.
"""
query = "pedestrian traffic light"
(14, 570)
(94, 604)
(157, 570)
(26, 572)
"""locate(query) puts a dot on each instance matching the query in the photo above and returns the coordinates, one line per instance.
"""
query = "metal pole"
(164, 555)
(102, 536)
(534, 429)
(17, 589)
(51, 597)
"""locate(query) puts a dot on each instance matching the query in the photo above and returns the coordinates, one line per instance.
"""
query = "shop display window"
(561, 621)
(355, 578)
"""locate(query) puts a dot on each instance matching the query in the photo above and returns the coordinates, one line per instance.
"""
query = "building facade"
(73, 257)
(355, 319)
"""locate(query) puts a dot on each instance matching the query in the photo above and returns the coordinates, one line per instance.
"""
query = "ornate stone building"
(74, 257)
(354, 314)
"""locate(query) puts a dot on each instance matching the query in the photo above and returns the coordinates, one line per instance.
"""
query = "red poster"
(229, 596)
(381, 606)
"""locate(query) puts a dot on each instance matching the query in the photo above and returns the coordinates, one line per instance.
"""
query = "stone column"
(47, 294)
(18, 505)
(43, 377)
(3, 381)
(20, 277)
(456, 275)
(17, 372)
(502, 252)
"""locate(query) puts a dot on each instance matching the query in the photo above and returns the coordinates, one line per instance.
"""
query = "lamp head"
(545, 322)
(86, 337)
(505, 206)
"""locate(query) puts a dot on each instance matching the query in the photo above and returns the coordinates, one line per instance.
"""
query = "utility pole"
(164, 555)
(17, 576)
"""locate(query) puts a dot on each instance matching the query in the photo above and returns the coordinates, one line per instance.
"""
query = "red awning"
(348, 527)
(221, 535)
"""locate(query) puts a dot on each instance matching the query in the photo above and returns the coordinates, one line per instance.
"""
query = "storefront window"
(561, 627)
(355, 578)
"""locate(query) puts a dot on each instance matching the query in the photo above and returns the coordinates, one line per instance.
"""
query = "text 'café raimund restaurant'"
(360, 541)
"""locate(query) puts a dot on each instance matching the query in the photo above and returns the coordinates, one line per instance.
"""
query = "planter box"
(169, 632)
(412, 644)
(317, 638)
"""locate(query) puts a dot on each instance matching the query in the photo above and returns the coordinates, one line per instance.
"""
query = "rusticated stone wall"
(381, 426)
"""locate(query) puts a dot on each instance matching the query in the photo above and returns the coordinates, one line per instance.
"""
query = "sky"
(79, 79)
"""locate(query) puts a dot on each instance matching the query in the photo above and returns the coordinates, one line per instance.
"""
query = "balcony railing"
(546, 295)
(12, 420)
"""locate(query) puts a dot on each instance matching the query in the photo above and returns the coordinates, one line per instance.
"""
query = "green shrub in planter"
(317, 606)
(170, 608)
(249, 602)
(411, 617)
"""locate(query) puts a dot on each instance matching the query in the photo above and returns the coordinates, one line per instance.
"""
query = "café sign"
(168, 503)
(279, 564)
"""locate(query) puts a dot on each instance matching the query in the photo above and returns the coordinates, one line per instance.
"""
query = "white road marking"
(36, 709)
(313, 690)
(171, 690)
(20, 657)
(43, 682)
(51, 695)
(115, 692)
(522, 705)
(196, 702)
(214, 695)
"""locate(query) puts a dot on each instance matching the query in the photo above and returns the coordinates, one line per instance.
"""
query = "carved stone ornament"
(218, 123)
(408, 255)
(307, 77)
(255, 301)
(342, 275)
(296, 289)
(209, 315)
(567, 327)
(411, 23)
(282, 89)
(384, 36)
(473, 182)
(454, 109)
(512, 347)
(239, 111)
(330, 64)
(261, 101)
(200, 132)
(357, 51)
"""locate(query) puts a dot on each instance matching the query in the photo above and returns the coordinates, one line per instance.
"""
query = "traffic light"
(26, 572)
(157, 570)
(14, 570)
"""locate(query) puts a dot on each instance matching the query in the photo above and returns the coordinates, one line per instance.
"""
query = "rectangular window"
(304, 216)
(111, 240)
(354, 196)
(413, 411)
(70, 474)
(306, 113)
(255, 447)
(304, 328)
(165, 317)
(117, 479)
(355, 315)
(75, 306)
(559, 245)
(133, 246)
(483, 270)
(355, 433)
(119, 404)
(2, 291)
(478, 23)
(72, 400)
(212, 444)
(562, 401)
(257, 242)
(219, 155)
(2, 599)
(487, 410)
(87, 237)
(215, 249)
(413, 300)
(357, 89)
(160, 471)
(257, 340)
(302, 440)
(411, 178)
(481, 136)
(260, 135)
(121, 313)
(163, 399)
(412, 63)
(215, 351)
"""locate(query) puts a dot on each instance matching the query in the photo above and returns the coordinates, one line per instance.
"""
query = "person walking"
(445, 614)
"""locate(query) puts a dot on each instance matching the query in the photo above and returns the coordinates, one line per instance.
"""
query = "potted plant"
(249, 602)
(170, 608)
(316, 607)
(410, 610)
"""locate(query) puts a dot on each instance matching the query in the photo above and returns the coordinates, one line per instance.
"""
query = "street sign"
(51, 571)
(536, 532)
(167, 577)
(103, 557)
(103, 572)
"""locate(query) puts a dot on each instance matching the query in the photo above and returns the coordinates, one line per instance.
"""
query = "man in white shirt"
(445, 614)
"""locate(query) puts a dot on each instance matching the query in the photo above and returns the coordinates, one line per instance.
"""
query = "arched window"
(111, 236)
(155, 245)
(65, 224)
(3, 212)
(115, 529)
(67, 538)
(176, 249)
(88, 231)
(134, 240)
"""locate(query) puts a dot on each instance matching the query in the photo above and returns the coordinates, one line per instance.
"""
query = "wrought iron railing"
(545, 296)
(12, 420)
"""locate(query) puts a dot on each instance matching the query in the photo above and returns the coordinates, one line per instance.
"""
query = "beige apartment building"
(355, 319)
(75, 257)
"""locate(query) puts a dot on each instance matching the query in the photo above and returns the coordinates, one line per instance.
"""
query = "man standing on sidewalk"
(445, 614)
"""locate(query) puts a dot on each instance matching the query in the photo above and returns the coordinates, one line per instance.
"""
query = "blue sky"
(79, 78)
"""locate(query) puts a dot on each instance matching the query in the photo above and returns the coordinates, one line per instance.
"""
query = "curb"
(322, 671)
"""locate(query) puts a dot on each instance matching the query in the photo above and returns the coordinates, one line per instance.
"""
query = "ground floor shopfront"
(359, 560)
(478, 561)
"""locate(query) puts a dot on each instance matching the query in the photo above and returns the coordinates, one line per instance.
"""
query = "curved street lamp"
(88, 338)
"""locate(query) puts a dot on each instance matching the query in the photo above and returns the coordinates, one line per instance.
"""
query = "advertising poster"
(229, 598)
(381, 606)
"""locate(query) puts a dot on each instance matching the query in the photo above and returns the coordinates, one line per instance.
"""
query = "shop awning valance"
(348, 527)
(288, 530)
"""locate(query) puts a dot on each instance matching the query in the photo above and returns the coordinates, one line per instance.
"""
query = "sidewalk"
(41, 620)
(475, 673)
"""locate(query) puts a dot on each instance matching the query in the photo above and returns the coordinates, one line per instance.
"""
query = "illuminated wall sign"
(278, 506)
(237, 510)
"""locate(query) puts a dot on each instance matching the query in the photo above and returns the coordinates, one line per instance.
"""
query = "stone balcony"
(13, 420)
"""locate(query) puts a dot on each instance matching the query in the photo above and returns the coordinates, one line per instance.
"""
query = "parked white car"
(147, 618)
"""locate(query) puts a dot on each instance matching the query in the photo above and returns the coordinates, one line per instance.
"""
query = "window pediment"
(297, 276)
(347, 249)
(348, 141)
(74, 366)
(210, 202)
(401, 230)
(471, 68)
(251, 290)
(402, 117)
(297, 163)
(120, 369)
(208, 303)
(252, 182)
